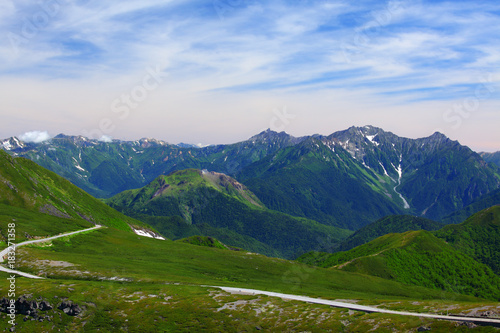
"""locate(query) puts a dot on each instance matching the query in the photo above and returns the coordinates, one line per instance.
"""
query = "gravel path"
(4, 252)
(476, 320)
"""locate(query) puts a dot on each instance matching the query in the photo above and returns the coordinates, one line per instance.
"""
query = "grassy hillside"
(387, 225)
(108, 253)
(123, 282)
(208, 242)
(415, 258)
(486, 201)
(43, 203)
(218, 206)
(478, 237)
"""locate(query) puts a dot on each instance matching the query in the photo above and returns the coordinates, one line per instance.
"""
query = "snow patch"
(80, 168)
(149, 234)
(7, 145)
(400, 173)
(17, 142)
(371, 137)
(385, 171)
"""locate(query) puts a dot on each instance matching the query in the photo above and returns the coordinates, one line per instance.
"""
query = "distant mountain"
(387, 225)
(433, 176)
(203, 198)
(483, 202)
(312, 180)
(354, 177)
(348, 179)
(42, 203)
(416, 258)
(478, 237)
(107, 168)
(492, 157)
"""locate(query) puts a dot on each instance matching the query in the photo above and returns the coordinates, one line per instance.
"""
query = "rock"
(4, 304)
(45, 306)
(69, 308)
(470, 325)
(423, 329)
(25, 307)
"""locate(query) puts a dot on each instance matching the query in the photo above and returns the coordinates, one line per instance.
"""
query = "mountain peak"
(270, 134)
(272, 137)
(11, 143)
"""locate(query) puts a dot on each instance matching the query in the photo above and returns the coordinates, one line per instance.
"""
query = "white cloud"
(106, 138)
(35, 136)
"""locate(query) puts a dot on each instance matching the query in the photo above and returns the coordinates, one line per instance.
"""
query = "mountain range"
(347, 179)
(111, 278)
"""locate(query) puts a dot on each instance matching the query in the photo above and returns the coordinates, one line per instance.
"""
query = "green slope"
(108, 253)
(209, 200)
(492, 157)
(208, 242)
(313, 181)
(42, 203)
(478, 237)
(387, 225)
(486, 201)
(415, 258)
(128, 283)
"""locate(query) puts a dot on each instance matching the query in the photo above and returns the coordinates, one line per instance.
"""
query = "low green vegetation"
(387, 225)
(415, 258)
(478, 237)
(159, 307)
(175, 227)
(486, 201)
(42, 203)
(208, 242)
(110, 254)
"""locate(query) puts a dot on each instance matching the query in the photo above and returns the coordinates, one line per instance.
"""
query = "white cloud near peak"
(35, 136)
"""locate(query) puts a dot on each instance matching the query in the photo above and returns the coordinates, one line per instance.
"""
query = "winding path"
(4, 252)
(364, 308)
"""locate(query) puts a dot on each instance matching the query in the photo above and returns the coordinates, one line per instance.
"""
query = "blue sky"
(220, 71)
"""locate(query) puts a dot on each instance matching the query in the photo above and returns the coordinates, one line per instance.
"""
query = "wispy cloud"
(399, 51)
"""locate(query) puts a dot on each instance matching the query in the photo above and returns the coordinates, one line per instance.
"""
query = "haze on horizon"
(221, 71)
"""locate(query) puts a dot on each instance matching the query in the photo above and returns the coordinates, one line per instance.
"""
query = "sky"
(220, 71)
